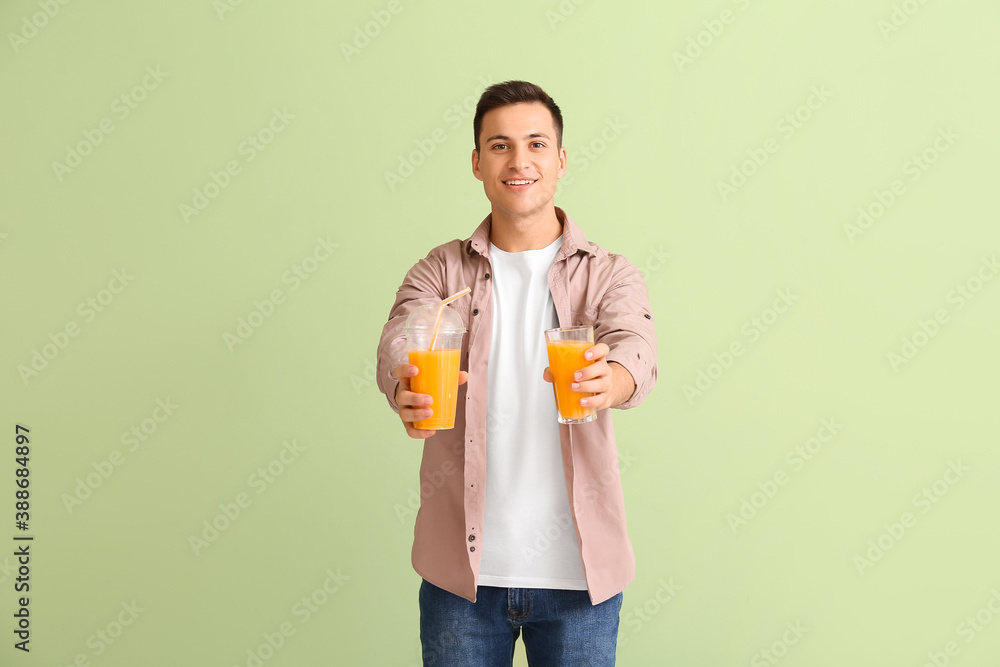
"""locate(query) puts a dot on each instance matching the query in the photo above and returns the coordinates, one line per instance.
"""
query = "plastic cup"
(566, 347)
(438, 368)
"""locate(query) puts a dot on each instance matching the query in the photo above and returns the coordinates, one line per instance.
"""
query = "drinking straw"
(440, 311)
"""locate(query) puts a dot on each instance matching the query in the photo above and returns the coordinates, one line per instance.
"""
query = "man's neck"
(520, 234)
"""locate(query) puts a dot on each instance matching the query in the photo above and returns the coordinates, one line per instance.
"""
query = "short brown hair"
(515, 92)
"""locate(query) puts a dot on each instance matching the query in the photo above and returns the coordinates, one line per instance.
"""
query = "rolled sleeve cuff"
(392, 383)
(386, 369)
(639, 361)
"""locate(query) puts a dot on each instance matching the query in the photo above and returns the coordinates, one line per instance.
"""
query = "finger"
(406, 370)
(598, 351)
(418, 433)
(598, 386)
(597, 401)
(403, 374)
(595, 370)
(463, 377)
(547, 375)
(410, 399)
(410, 415)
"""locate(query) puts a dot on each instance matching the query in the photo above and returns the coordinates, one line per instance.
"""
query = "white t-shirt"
(528, 538)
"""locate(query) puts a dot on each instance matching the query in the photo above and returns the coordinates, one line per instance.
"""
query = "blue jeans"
(561, 628)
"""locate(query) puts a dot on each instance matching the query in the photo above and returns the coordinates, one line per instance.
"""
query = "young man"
(521, 524)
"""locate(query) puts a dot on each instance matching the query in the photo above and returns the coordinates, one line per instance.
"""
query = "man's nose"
(519, 159)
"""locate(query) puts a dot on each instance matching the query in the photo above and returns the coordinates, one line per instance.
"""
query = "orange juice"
(438, 377)
(565, 359)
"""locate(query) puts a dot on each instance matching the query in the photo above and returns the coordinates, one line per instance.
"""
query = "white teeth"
(518, 182)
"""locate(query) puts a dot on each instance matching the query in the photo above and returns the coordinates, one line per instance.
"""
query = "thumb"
(463, 377)
(547, 375)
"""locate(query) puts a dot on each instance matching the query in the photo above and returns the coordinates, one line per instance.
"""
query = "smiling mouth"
(519, 182)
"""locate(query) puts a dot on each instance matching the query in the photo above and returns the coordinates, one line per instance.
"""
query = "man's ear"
(475, 165)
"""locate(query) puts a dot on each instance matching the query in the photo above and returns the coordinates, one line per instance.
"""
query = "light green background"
(650, 194)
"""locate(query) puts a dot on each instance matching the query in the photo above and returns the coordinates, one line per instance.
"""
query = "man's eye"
(539, 144)
(499, 145)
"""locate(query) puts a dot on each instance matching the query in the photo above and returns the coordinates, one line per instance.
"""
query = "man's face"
(518, 143)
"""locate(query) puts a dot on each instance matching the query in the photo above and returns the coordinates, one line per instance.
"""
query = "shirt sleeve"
(423, 283)
(625, 324)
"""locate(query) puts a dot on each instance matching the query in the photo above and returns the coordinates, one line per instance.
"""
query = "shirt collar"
(573, 239)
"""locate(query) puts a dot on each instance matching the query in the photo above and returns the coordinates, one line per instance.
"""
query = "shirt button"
(472, 538)
(472, 548)
(648, 316)
(475, 311)
(487, 276)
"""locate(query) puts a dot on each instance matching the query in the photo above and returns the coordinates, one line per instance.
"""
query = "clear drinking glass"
(566, 347)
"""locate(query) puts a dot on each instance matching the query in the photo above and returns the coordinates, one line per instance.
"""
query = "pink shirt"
(589, 286)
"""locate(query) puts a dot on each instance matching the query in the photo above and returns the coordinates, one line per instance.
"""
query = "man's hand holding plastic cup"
(413, 406)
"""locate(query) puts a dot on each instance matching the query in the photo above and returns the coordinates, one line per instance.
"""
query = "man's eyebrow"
(533, 135)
